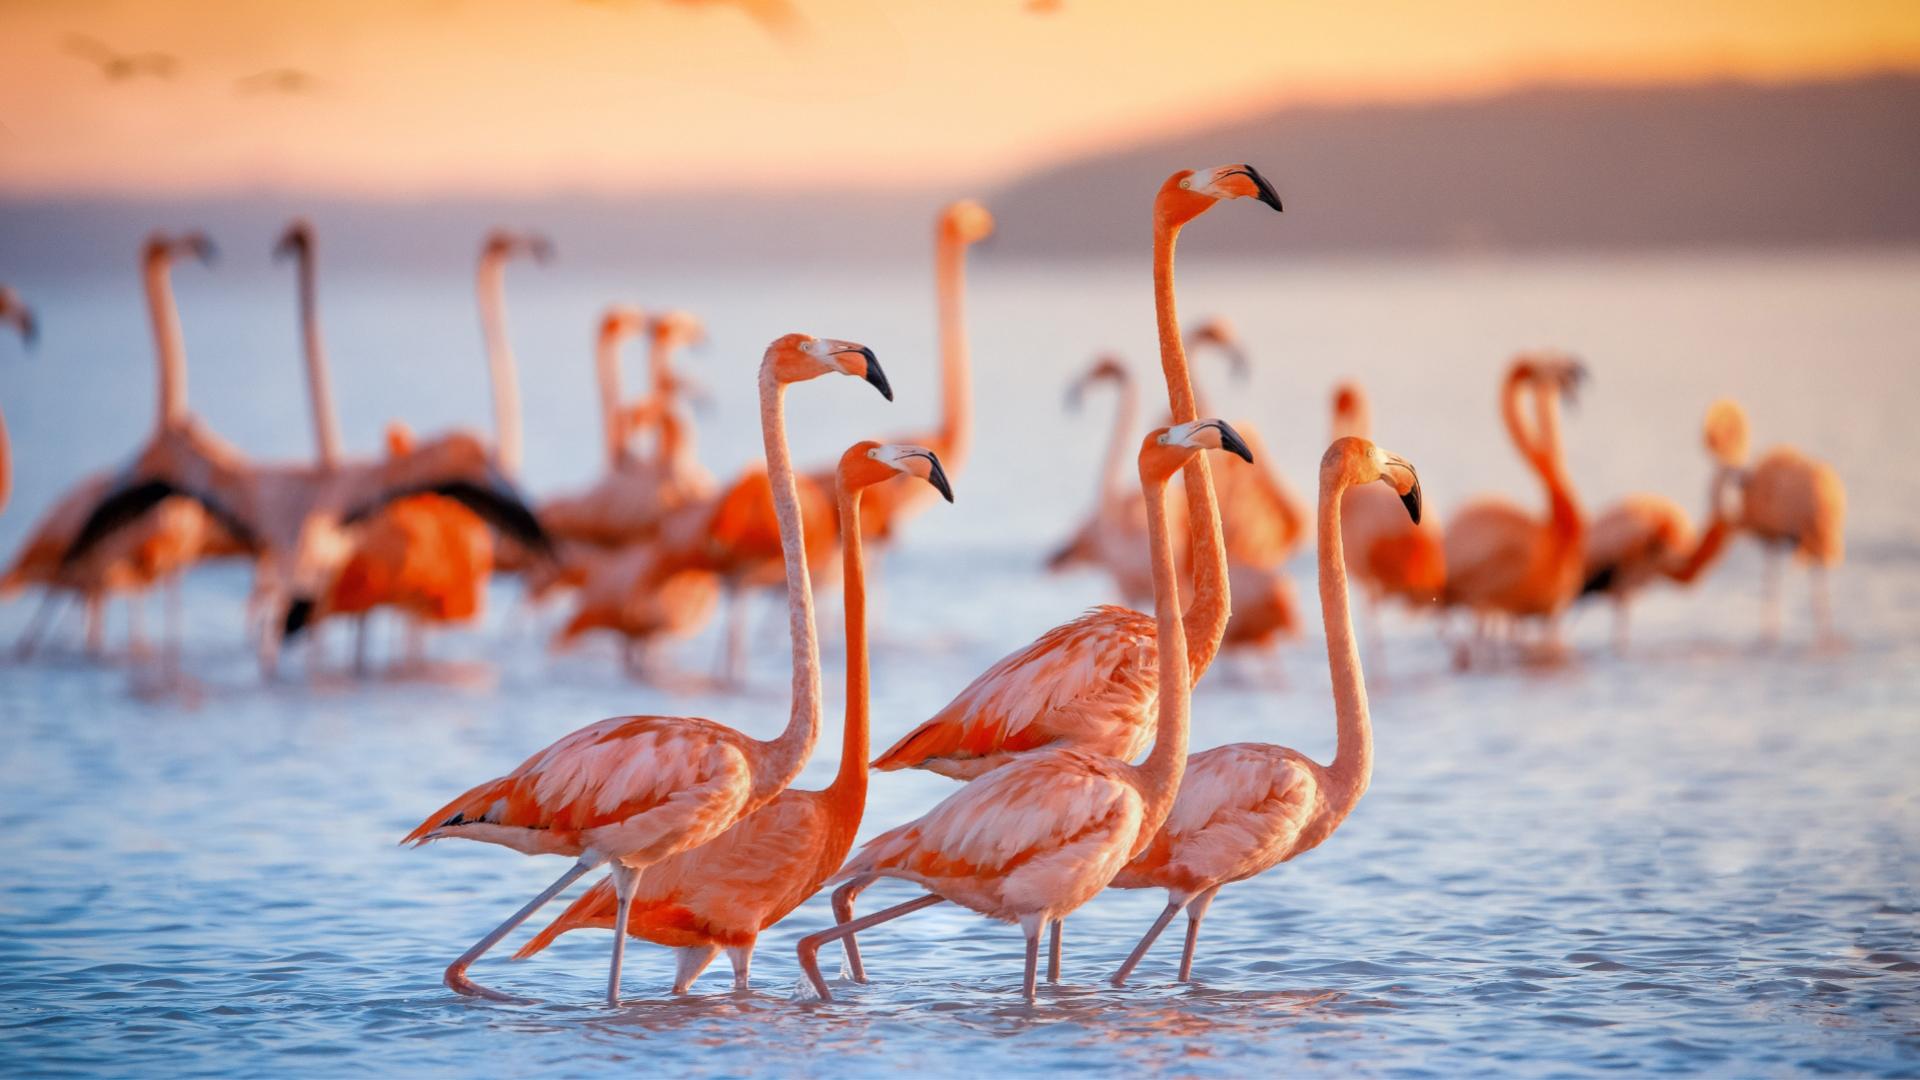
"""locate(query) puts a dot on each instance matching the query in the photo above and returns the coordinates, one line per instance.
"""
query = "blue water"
(1697, 858)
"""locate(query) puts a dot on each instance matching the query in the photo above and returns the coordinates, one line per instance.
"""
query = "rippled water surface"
(1695, 858)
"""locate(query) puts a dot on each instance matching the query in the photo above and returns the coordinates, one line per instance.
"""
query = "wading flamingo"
(1245, 808)
(1501, 560)
(1789, 502)
(1036, 838)
(15, 313)
(1390, 557)
(1645, 538)
(634, 790)
(157, 547)
(722, 895)
(1113, 534)
(1090, 683)
(1264, 518)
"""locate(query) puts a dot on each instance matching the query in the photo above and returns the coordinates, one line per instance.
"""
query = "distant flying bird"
(283, 80)
(1045, 7)
(120, 67)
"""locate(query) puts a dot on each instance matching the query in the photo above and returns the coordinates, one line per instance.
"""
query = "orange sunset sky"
(517, 96)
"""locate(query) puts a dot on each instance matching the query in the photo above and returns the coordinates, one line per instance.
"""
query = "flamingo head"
(799, 357)
(162, 249)
(965, 222)
(1352, 461)
(868, 463)
(1725, 432)
(677, 329)
(1105, 366)
(620, 320)
(503, 244)
(400, 440)
(1167, 449)
(1551, 370)
(15, 312)
(1352, 415)
(1191, 192)
(296, 241)
(1220, 334)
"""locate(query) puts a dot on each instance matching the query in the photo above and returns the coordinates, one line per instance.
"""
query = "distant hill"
(1718, 165)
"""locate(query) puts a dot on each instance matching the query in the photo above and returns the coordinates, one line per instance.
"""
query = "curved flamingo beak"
(299, 614)
(1409, 498)
(1262, 189)
(873, 373)
(937, 476)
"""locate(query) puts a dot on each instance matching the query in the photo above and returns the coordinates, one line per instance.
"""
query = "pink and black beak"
(874, 375)
(1266, 193)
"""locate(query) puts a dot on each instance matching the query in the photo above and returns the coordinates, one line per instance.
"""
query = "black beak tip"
(1267, 194)
(876, 376)
(299, 614)
(1411, 499)
(938, 478)
(1232, 443)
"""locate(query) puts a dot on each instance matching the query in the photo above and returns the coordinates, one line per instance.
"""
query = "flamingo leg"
(1053, 952)
(1166, 916)
(456, 977)
(692, 961)
(37, 625)
(360, 644)
(1032, 927)
(1620, 625)
(809, 947)
(742, 958)
(96, 625)
(1822, 605)
(843, 913)
(623, 882)
(1195, 912)
(1770, 590)
(733, 640)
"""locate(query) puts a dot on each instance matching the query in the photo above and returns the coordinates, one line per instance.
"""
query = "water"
(1696, 859)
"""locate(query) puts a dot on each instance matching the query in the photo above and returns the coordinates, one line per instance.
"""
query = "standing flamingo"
(1390, 557)
(1090, 683)
(156, 548)
(1113, 534)
(1789, 502)
(1245, 808)
(1502, 561)
(634, 790)
(722, 895)
(1264, 518)
(1036, 838)
(15, 313)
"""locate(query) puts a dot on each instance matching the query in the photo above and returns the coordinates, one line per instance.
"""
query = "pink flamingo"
(1390, 557)
(1245, 808)
(15, 313)
(1090, 683)
(722, 895)
(1113, 534)
(1036, 838)
(634, 790)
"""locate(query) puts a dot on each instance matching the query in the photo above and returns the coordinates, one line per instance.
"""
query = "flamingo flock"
(1072, 752)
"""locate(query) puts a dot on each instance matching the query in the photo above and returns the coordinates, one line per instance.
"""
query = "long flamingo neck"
(1523, 438)
(1713, 540)
(169, 347)
(956, 386)
(1352, 767)
(790, 751)
(849, 786)
(1207, 619)
(326, 422)
(606, 362)
(491, 285)
(1550, 461)
(1161, 773)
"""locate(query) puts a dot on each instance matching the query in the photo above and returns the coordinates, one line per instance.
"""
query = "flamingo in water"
(722, 895)
(1789, 502)
(1245, 808)
(1389, 556)
(1501, 560)
(1090, 683)
(1112, 535)
(1036, 838)
(15, 313)
(635, 790)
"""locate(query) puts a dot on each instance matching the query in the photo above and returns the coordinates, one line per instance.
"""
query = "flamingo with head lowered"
(15, 313)
(1031, 841)
(721, 895)
(1245, 808)
(635, 790)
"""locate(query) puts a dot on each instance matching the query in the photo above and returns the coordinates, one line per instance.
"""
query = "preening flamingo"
(15, 313)
(157, 547)
(1036, 838)
(1390, 557)
(1090, 683)
(721, 895)
(1501, 560)
(634, 790)
(1789, 502)
(1645, 538)
(1245, 808)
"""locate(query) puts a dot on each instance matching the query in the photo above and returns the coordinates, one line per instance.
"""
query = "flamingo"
(634, 790)
(1112, 535)
(1501, 560)
(1789, 502)
(159, 547)
(1264, 518)
(960, 225)
(1389, 556)
(722, 895)
(15, 313)
(1637, 541)
(1245, 808)
(1090, 683)
(1036, 838)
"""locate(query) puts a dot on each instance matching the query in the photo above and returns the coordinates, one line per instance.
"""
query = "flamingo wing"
(640, 786)
(1242, 809)
(1090, 683)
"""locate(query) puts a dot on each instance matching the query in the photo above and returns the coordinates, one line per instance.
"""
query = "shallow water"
(1697, 858)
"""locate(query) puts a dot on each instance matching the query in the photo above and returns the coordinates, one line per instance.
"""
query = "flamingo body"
(1243, 809)
(1794, 501)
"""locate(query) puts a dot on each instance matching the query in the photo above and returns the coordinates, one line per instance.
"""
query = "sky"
(409, 97)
